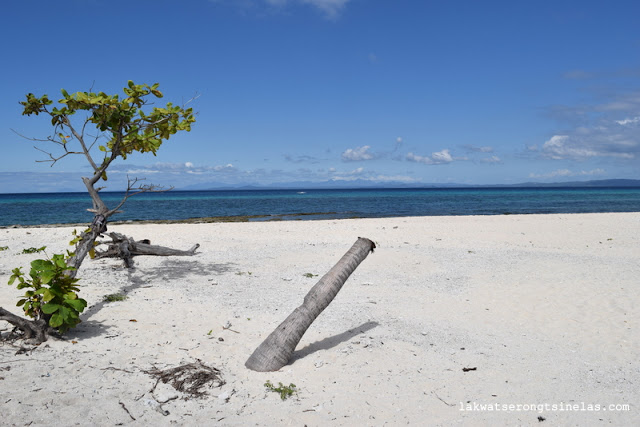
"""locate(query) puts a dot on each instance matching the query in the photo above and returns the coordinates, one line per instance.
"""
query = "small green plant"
(51, 294)
(3, 248)
(114, 297)
(285, 391)
(33, 250)
(310, 275)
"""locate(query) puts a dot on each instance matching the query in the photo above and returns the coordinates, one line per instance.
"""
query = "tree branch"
(80, 139)
(141, 189)
(53, 159)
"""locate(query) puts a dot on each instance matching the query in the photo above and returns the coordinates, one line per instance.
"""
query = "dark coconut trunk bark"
(276, 350)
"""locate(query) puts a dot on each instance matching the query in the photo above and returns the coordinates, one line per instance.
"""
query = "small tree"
(123, 126)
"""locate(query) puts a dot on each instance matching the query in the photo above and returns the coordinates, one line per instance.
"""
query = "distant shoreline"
(203, 220)
(285, 217)
(311, 186)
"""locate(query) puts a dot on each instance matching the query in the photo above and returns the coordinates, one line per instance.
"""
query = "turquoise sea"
(55, 208)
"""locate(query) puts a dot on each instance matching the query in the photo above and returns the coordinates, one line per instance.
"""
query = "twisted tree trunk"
(126, 248)
(35, 331)
(276, 350)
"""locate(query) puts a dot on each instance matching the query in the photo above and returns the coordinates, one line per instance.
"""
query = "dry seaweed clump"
(190, 378)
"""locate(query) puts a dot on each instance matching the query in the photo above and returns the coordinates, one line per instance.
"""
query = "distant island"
(329, 185)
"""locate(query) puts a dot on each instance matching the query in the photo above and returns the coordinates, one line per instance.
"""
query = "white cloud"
(393, 178)
(398, 144)
(628, 121)
(357, 154)
(331, 8)
(347, 176)
(492, 159)
(473, 148)
(606, 128)
(588, 143)
(226, 167)
(436, 158)
(301, 159)
(442, 156)
(567, 173)
(361, 175)
(173, 168)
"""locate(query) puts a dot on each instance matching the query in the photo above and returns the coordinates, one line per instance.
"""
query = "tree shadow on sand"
(169, 270)
(333, 341)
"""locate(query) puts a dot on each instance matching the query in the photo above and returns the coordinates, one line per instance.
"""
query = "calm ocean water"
(53, 208)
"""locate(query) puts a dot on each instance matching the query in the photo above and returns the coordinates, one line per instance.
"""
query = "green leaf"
(76, 304)
(47, 275)
(50, 308)
(56, 320)
(21, 302)
(47, 295)
(64, 313)
(59, 260)
(41, 264)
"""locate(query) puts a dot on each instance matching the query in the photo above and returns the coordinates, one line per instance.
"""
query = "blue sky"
(314, 90)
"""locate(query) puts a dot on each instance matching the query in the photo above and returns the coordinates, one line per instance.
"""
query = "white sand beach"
(531, 317)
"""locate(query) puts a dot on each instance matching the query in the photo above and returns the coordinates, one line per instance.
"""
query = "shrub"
(114, 297)
(33, 250)
(285, 391)
(51, 294)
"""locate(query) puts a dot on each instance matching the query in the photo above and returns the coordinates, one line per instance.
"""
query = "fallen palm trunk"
(276, 350)
(125, 247)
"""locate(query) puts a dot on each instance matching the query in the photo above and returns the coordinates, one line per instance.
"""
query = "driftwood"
(126, 248)
(276, 350)
(34, 331)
